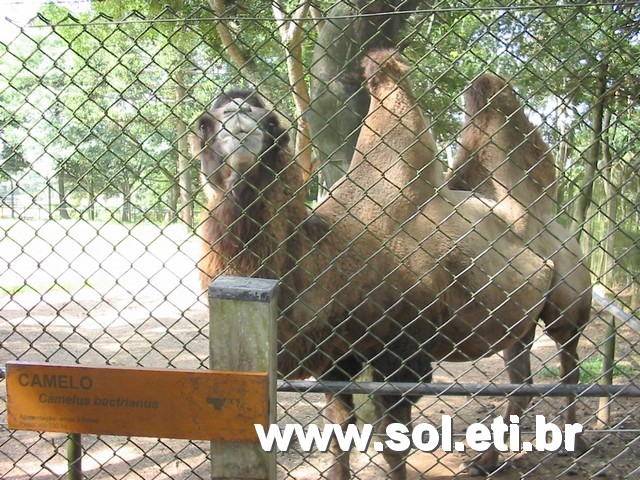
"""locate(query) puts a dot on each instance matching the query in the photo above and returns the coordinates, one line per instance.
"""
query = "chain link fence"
(102, 208)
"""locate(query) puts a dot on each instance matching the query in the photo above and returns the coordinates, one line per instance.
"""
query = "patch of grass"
(12, 290)
(591, 371)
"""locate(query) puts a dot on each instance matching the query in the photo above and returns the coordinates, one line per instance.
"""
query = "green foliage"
(90, 103)
(12, 163)
(591, 371)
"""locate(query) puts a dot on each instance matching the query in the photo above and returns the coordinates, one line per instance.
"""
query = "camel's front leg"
(339, 411)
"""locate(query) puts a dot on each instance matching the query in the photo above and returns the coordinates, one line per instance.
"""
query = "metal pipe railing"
(458, 389)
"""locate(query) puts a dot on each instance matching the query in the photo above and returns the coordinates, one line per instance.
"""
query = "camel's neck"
(246, 236)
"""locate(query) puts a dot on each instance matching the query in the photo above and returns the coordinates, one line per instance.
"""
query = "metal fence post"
(74, 456)
(242, 337)
(608, 363)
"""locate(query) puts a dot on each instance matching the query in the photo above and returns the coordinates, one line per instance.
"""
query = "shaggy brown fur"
(343, 302)
(391, 270)
(504, 158)
(497, 128)
(257, 225)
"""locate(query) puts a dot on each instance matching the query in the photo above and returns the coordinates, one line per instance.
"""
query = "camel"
(340, 307)
(504, 158)
(393, 269)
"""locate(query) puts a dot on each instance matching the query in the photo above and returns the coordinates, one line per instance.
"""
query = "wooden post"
(242, 331)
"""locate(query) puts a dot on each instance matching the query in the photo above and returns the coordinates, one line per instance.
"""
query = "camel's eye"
(205, 126)
(273, 125)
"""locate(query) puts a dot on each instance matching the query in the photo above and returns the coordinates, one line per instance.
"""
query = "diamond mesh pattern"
(102, 209)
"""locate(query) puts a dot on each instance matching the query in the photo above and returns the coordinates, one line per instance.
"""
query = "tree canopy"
(96, 105)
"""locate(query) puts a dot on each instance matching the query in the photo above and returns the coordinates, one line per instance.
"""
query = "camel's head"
(236, 140)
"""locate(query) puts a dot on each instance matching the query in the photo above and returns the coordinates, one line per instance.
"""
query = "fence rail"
(610, 306)
(514, 390)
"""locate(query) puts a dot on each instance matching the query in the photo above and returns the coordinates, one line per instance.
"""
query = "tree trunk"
(64, 206)
(173, 192)
(92, 201)
(291, 35)
(339, 101)
(126, 196)
(185, 177)
(610, 202)
(592, 153)
(565, 150)
(609, 339)
(12, 205)
(239, 58)
(172, 213)
(634, 302)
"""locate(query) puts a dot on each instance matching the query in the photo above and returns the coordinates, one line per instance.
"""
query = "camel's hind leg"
(565, 328)
(414, 367)
(517, 359)
(339, 411)
(393, 409)
(570, 375)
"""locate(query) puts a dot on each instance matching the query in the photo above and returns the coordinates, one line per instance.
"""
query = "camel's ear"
(205, 130)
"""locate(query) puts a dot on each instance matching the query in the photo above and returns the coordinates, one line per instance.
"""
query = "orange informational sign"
(195, 405)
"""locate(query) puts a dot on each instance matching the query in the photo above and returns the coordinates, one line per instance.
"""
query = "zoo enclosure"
(100, 196)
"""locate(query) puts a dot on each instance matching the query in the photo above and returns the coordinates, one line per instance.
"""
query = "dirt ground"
(28, 455)
(614, 454)
(101, 315)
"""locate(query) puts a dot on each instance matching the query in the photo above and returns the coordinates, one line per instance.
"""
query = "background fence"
(100, 199)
